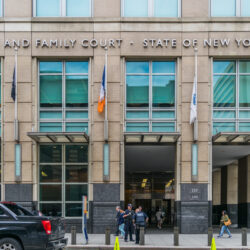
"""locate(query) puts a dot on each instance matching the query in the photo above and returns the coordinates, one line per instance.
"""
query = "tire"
(10, 244)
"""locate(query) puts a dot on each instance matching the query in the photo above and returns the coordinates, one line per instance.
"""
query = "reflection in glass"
(50, 153)
(50, 173)
(77, 91)
(76, 173)
(244, 65)
(49, 209)
(50, 67)
(50, 192)
(137, 67)
(138, 8)
(163, 127)
(50, 127)
(50, 91)
(224, 91)
(223, 127)
(163, 67)
(244, 92)
(224, 67)
(137, 91)
(75, 192)
(137, 127)
(166, 8)
(76, 153)
(76, 67)
(163, 91)
(244, 127)
(74, 210)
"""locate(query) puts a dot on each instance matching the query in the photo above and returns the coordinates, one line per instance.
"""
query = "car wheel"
(10, 244)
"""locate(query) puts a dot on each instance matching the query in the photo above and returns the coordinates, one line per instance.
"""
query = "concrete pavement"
(161, 241)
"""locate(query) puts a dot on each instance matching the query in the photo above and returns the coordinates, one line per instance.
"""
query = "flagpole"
(106, 96)
(16, 106)
(196, 80)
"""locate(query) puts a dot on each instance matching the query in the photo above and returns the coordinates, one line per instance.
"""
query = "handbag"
(228, 223)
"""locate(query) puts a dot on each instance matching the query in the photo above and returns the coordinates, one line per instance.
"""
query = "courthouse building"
(55, 145)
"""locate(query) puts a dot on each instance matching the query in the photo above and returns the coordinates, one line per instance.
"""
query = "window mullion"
(238, 7)
(63, 179)
(150, 8)
(237, 95)
(63, 7)
(150, 96)
(63, 98)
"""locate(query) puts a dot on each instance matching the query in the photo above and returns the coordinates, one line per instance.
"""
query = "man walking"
(128, 220)
(140, 220)
(118, 214)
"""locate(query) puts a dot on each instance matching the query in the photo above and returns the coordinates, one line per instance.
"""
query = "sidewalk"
(164, 240)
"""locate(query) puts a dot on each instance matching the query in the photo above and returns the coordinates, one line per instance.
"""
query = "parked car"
(20, 229)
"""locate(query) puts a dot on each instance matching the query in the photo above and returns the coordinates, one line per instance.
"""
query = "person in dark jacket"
(121, 224)
(128, 220)
(117, 218)
(140, 220)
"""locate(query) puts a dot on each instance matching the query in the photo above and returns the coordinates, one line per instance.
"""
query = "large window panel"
(163, 91)
(224, 91)
(245, 8)
(48, 8)
(50, 91)
(244, 95)
(78, 8)
(223, 8)
(50, 153)
(76, 91)
(166, 8)
(224, 67)
(138, 8)
(50, 173)
(76, 153)
(137, 91)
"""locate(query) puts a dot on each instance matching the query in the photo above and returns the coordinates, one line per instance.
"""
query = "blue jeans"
(223, 228)
(121, 228)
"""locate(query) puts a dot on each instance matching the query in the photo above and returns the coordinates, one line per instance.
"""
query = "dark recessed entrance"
(149, 180)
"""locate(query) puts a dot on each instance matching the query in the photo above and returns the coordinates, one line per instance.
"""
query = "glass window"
(223, 8)
(78, 8)
(48, 8)
(63, 178)
(57, 8)
(64, 96)
(151, 8)
(138, 8)
(231, 91)
(245, 8)
(150, 95)
(166, 8)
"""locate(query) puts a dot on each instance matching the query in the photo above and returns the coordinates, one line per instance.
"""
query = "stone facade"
(195, 24)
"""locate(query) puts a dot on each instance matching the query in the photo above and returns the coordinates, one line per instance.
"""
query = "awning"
(151, 138)
(230, 138)
(62, 137)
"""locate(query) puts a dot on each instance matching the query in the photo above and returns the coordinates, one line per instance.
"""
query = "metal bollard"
(176, 236)
(142, 236)
(244, 236)
(209, 236)
(73, 235)
(107, 236)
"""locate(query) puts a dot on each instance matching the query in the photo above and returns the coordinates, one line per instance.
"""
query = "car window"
(2, 213)
(19, 211)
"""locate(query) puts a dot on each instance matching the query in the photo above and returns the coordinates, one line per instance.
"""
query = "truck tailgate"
(57, 228)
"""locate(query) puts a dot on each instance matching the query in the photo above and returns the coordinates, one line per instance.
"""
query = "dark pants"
(137, 233)
(117, 229)
(128, 230)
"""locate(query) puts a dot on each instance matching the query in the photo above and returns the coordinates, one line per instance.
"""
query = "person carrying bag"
(225, 222)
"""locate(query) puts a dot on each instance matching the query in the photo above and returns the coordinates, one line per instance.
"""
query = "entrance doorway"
(150, 181)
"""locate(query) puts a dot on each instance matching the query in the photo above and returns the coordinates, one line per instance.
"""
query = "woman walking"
(224, 223)
(121, 224)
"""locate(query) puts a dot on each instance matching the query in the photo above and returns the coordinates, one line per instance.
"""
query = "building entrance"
(150, 181)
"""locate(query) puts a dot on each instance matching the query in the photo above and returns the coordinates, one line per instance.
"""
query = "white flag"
(193, 106)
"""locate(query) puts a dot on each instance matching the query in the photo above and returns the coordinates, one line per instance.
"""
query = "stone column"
(232, 192)
(244, 192)
(216, 196)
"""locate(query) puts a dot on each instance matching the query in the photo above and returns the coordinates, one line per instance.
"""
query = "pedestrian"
(140, 220)
(224, 223)
(117, 218)
(128, 221)
(159, 217)
(121, 224)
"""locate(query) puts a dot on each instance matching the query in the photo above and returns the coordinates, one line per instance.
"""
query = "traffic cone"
(117, 246)
(213, 245)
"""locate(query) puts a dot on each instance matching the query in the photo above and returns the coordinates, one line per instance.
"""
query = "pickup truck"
(20, 229)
